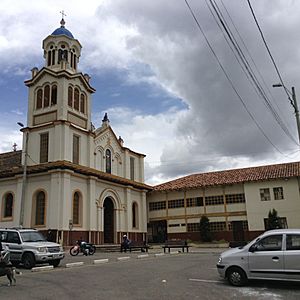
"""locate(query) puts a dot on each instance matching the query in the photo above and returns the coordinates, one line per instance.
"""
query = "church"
(71, 180)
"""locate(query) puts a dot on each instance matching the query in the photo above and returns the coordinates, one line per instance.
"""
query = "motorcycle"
(82, 247)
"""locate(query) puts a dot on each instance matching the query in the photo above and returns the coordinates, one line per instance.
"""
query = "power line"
(266, 45)
(228, 78)
(245, 65)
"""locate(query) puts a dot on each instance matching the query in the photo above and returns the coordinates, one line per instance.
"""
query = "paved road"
(179, 276)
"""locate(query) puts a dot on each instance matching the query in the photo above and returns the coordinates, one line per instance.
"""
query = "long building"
(236, 202)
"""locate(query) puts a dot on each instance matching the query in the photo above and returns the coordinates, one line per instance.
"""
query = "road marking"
(123, 258)
(75, 264)
(143, 256)
(100, 261)
(38, 269)
(204, 280)
(159, 254)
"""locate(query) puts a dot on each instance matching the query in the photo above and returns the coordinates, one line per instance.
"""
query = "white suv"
(29, 246)
(273, 255)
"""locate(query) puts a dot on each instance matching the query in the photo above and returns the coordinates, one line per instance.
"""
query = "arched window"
(53, 95)
(74, 63)
(49, 58)
(134, 215)
(76, 99)
(46, 95)
(70, 96)
(40, 208)
(8, 205)
(39, 99)
(60, 55)
(71, 59)
(108, 160)
(76, 208)
(82, 103)
(53, 57)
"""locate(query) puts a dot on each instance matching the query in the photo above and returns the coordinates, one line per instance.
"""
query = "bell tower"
(59, 103)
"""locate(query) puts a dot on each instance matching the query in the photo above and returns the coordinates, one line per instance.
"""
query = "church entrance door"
(108, 221)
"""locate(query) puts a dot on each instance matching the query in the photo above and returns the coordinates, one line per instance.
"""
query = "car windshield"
(32, 236)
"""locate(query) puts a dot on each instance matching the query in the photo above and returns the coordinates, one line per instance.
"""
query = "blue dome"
(62, 31)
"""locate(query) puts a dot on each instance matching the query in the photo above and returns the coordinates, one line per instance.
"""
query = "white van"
(273, 255)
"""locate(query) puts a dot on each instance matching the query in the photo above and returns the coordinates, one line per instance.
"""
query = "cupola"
(61, 50)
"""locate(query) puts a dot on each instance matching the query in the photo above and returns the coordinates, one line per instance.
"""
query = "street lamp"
(293, 102)
(21, 222)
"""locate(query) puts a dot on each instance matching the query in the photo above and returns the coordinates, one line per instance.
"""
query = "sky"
(174, 89)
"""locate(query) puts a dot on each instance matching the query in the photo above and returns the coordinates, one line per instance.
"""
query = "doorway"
(238, 231)
(108, 206)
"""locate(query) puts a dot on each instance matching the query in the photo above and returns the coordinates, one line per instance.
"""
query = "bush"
(204, 229)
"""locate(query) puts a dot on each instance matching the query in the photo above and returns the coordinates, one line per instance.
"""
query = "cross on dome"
(62, 22)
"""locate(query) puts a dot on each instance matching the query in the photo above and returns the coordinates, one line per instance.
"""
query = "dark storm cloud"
(217, 131)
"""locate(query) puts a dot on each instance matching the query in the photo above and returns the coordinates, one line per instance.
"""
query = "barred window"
(44, 143)
(76, 208)
(193, 227)
(245, 225)
(282, 223)
(40, 208)
(76, 147)
(176, 203)
(217, 226)
(265, 194)
(278, 193)
(174, 225)
(132, 168)
(198, 201)
(157, 205)
(235, 198)
(8, 205)
(214, 200)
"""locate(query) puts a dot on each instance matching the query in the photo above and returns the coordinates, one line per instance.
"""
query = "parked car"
(29, 247)
(274, 255)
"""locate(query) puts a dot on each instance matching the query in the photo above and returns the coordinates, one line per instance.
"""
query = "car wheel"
(54, 263)
(28, 261)
(236, 276)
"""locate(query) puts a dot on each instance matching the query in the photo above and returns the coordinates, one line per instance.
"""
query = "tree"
(273, 221)
(204, 229)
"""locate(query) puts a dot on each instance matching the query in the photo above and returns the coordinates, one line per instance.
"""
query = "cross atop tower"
(62, 14)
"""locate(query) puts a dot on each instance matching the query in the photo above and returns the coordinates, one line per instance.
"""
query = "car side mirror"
(253, 248)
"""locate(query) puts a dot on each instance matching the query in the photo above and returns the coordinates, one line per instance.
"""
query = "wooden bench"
(176, 244)
(136, 245)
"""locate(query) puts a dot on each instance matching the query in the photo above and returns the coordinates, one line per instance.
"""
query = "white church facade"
(79, 181)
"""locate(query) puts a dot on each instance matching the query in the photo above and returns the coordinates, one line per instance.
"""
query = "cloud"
(158, 42)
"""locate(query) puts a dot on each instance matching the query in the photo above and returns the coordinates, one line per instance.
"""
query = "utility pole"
(24, 181)
(293, 103)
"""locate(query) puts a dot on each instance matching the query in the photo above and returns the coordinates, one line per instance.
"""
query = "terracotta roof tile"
(234, 176)
(10, 160)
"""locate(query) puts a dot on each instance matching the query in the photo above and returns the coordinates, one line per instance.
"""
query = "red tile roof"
(10, 160)
(10, 166)
(234, 176)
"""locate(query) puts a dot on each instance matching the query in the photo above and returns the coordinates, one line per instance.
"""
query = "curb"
(123, 258)
(39, 269)
(159, 254)
(100, 261)
(143, 256)
(75, 264)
